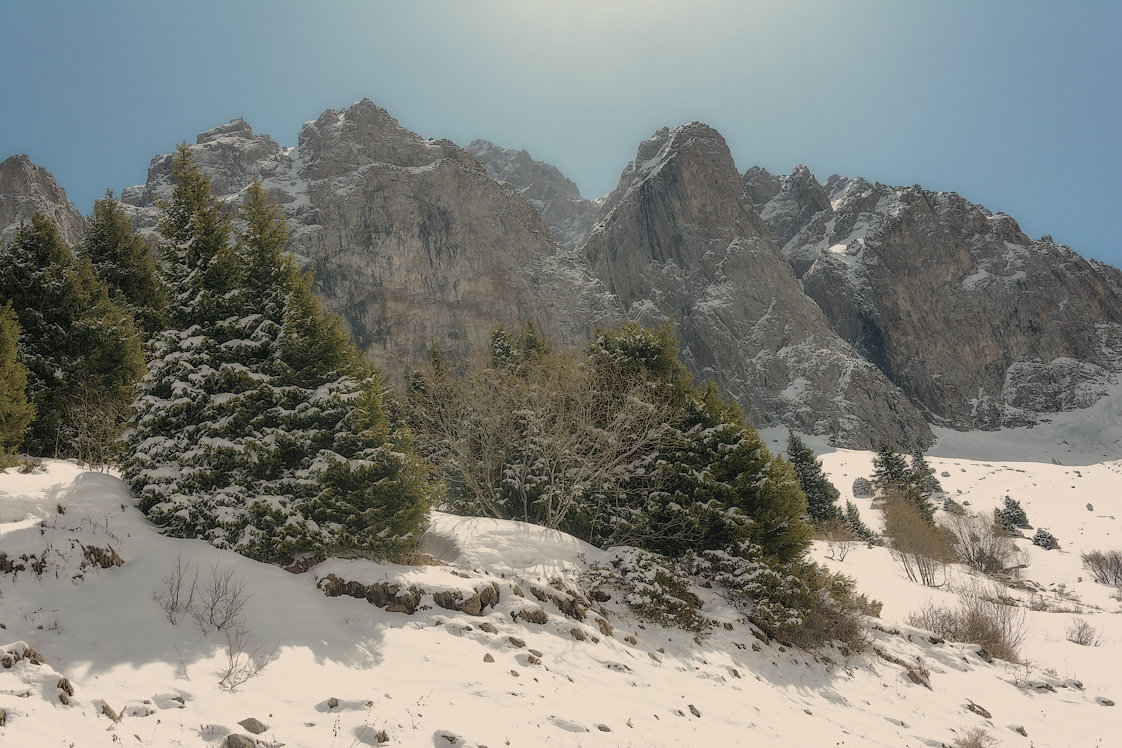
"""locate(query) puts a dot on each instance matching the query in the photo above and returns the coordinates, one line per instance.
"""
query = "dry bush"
(221, 601)
(839, 537)
(1082, 633)
(837, 613)
(1106, 567)
(975, 737)
(980, 545)
(178, 594)
(94, 423)
(921, 548)
(242, 663)
(981, 619)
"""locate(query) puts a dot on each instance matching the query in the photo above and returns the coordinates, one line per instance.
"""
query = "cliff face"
(979, 324)
(569, 216)
(409, 239)
(27, 189)
(679, 238)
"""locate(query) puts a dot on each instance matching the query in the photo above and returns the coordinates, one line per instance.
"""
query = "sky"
(1014, 104)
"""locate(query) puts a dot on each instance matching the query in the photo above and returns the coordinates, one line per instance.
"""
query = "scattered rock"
(693, 711)
(532, 615)
(109, 712)
(735, 673)
(514, 673)
(533, 659)
(3, 718)
(488, 657)
(333, 703)
(382, 737)
(980, 711)
(1019, 729)
(385, 595)
(518, 591)
(476, 605)
(239, 741)
(66, 686)
(755, 647)
(985, 655)
(535, 653)
(600, 596)
(577, 634)
(603, 728)
(254, 725)
(654, 656)
(1104, 701)
(605, 627)
(630, 639)
(516, 642)
(488, 627)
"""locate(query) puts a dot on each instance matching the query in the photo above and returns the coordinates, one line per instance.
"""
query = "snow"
(422, 678)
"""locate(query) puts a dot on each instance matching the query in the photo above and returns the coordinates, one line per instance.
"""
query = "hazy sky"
(1015, 104)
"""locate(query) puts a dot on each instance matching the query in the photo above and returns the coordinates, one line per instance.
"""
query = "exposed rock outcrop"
(569, 216)
(980, 325)
(27, 189)
(679, 238)
(409, 239)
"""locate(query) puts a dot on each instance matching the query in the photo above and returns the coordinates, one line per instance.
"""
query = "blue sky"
(1014, 104)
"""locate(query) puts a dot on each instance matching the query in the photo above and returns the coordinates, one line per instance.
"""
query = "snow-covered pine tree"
(126, 263)
(891, 473)
(74, 338)
(16, 412)
(853, 519)
(923, 475)
(821, 494)
(258, 426)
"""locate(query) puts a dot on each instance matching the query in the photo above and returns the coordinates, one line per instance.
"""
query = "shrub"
(839, 537)
(975, 737)
(652, 587)
(1082, 633)
(921, 548)
(1045, 540)
(1106, 568)
(979, 619)
(979, 546)
(1012, 518)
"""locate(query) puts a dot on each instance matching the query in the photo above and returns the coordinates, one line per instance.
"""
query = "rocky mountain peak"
(569, 216)
(342, 140)
(26, 189)
(679, 238)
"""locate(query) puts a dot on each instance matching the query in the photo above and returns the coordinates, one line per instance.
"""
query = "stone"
(694, 711)
(27, 189)
(532, 615)
(333, 703)
(253, 725)
(577, 634)
(234, 740)
(488, 627)
(516, 642)
(488, 657)
(980, 711)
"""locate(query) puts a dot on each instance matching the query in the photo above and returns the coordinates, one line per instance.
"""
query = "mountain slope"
(27, 189)
(980, 325)
(409, 239)
(679, 239)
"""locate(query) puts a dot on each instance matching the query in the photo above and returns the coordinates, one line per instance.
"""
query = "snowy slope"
(347, 670)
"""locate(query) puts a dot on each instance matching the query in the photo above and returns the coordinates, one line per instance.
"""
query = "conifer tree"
(126, 263)
(16, 412)
(892, 475)
(258, 426)
(853, 519)
(821, 494)
(74, 338)
(923, 475)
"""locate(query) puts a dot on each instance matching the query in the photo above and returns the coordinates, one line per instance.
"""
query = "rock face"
(26, 189)
(980, 325)
(679, 238)
(569, 216)
(409, 239)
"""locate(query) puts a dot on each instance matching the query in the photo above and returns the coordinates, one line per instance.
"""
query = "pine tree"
(892, 475)
(126, 263)
(821, 494)
(16, 413)
(258, 426)
(853, 519)
(923, 475)
(73, 337)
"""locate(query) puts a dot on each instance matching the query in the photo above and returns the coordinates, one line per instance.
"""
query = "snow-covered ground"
(341, 671)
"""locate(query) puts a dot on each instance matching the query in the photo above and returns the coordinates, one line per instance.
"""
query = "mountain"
(569, 216)
(25, 189)
(979, 324)
(679, 238)
(409, 239)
